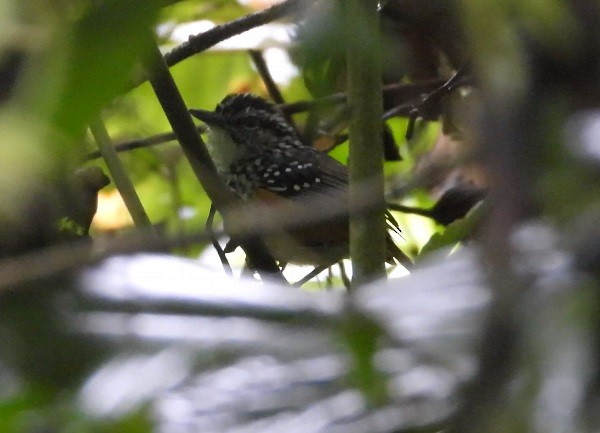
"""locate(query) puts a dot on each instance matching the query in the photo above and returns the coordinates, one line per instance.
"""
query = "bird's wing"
(296, 172)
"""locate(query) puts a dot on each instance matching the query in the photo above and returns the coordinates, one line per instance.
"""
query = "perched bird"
(260, 156)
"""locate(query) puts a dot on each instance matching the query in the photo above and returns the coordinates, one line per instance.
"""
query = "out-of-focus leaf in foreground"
(81, 60)
(90, 62)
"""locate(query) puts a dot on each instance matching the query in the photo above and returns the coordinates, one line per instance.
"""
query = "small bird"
(260, 156)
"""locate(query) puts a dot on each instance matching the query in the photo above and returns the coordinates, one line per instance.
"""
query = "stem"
(367, 227)
(139, 143)
(119, 174)
(195, 151)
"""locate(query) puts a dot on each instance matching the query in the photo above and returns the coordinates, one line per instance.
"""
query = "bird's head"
(248, 119)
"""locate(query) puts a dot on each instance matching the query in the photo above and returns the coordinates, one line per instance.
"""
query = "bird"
(261, 156)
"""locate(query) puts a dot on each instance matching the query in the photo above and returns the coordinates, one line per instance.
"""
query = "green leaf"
(362, 337)
(455, 232)
(89, 63)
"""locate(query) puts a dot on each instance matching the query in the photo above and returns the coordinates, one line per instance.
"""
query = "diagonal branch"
(203, 41)
(265, 74)
(195, 151)
(119, 175)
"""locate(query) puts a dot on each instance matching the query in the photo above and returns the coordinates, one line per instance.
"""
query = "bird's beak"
(207, 117)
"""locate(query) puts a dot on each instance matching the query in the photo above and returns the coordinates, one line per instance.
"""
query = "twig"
(215, 242)
(203, 41)
(301, 106)
(420, 105)
(265, 74)
(195, 151)
(119, 175)
(305, 279)
(139, 143)
(409, 209)
(403, 91)
(198, 43)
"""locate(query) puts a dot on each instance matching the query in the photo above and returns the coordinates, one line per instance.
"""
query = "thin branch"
(119, 175)
(270, 84)
(265, 74)
(203, 41)
(423, 103)
(305, 279)
(302, 106)
(412, 210)
(198, 43)
(139, 143)
(215, 241)
(406, 92)
(195, 151)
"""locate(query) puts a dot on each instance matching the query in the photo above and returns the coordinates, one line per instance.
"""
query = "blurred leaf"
(416, 229)
(390, 148)
(567, 184)
(191, 10)
(459, 109)
(456, 202)
(552, 23)
(362, 337)
(204, 80)
(397, 126)
(425, 137)
(90, 62)
(31, 411)
(322, 50)
(139, 421)
(493, 42)
(455, 232)
(322, 74)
